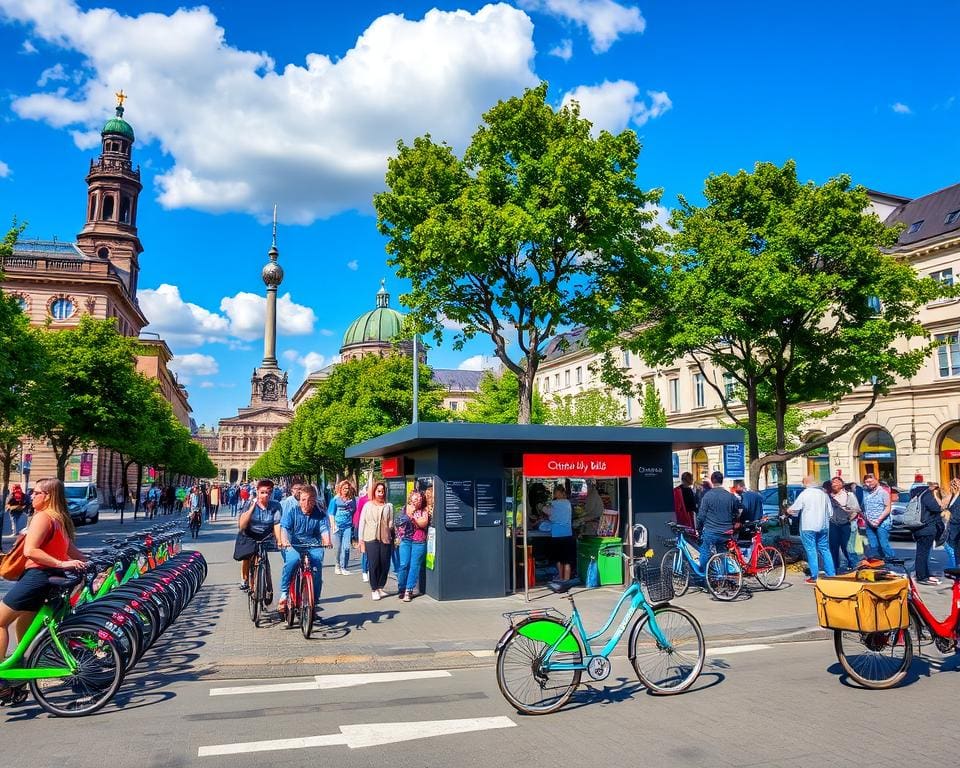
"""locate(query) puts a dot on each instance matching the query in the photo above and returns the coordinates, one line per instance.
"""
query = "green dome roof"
(378, 325)
(118, 125)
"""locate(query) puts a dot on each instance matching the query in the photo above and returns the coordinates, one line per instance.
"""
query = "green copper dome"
(378, 325)
(118, 125)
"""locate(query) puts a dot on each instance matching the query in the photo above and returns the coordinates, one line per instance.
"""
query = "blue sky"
(235, 110)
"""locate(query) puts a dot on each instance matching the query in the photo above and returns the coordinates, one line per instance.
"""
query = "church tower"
(113, 188)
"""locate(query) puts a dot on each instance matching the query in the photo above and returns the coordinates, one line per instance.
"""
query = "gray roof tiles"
(932, 210)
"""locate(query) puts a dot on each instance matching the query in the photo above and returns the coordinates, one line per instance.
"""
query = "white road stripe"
(730, 649)
(327, 682)
(365, 735)
(486, 654)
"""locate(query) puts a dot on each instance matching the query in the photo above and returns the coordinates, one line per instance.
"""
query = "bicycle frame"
(747, 567)
(947, 628)
(304, 570)
(575, 623)
(10, 668)
(694, 565)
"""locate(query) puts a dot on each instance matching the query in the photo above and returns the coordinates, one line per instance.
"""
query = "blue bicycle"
(542, 656)
(723, 575)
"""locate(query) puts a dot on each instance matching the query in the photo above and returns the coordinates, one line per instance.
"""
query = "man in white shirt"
(813, 506)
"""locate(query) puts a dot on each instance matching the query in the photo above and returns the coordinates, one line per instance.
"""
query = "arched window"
(107, 213)
(877, 453)
(93, 207)
(124, 210)
(700, 465)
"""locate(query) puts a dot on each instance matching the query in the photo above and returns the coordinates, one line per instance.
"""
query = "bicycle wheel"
(671, 668)
(724, 577)
(771, 569)
(524, 680)
(261, 591)
(676, 565)
(306, 606)
(874, 659)
(99, 673)
(253, 599)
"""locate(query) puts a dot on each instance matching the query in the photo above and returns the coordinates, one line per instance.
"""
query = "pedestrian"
(16, 509)
(152, 500)
(814, 507)
(927, 533)
(341, 510)
(292, 501)
(214, 501)
(412, 535)
(845, 510)
(376, 538)
(951, 508)
(876, 513)
(196, 520)
(195, 500)
(751, 507)
(716, 514)
(118, 499)
(361, 502)
(562, 543)
(684, 501)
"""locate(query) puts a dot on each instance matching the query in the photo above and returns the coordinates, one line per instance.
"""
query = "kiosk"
(484, 482)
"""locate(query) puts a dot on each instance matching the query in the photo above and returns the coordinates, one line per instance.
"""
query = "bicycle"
(301, 599)
(765, 564)
(683, 560)
(73, 667)
(261, 583)
(881, 660)
(543, 654)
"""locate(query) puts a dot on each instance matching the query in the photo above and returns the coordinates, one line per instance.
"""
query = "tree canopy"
(590, 408)
(539, 226)
(496, 401)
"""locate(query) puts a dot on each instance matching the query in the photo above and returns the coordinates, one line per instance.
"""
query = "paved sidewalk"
(360, 634)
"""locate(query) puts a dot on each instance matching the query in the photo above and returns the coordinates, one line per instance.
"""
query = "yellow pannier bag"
(843, 602)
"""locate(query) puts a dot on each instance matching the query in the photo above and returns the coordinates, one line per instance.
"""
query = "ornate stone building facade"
(58, 282)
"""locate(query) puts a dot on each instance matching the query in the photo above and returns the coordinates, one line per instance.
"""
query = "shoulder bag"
(14, 562)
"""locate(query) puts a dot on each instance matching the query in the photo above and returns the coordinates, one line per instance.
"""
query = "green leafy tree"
(538, 226)
(592, 407)
(653, 414)
(787, 287)
(497, 401)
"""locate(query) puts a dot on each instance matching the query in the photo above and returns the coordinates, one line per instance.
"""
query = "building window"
(546, 383)
(944, 276)
(673, 386)
(626, 358)
(915, 227)
(629, 407)
(556, 381)
(453, 405)
(948, 354)
(124, 210)
(579, 375)
(952, 217)
(107, 213)
(698, 392)
(875, 305)
(729, 388)
(566, 378)
(62, 308)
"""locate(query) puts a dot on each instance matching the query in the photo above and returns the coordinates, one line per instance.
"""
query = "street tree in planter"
(787, 287)
(539, 226)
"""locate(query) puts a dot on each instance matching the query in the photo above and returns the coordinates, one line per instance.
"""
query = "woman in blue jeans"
(412, 533)
(341, 510)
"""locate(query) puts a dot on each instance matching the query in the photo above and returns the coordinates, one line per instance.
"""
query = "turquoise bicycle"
(542, 656)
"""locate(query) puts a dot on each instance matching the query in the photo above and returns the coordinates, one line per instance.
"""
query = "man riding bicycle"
(303, 527)
(261, 521)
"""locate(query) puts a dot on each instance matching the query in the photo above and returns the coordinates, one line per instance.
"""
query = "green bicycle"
(543, 654)
(73, 667)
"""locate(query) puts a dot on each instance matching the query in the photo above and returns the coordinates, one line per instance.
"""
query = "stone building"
(913, 430)
(58, 282)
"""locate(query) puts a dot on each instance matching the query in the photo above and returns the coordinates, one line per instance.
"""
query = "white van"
(83, 502)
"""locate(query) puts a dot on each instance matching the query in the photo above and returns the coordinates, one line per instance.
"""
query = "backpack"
(912, 517)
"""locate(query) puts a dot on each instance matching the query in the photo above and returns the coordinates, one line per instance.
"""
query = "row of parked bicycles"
(100, 622)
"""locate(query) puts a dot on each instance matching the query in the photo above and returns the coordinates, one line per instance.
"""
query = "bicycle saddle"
(560, 587)
(952, 573)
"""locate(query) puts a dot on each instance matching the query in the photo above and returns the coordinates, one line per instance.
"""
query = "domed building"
(375, 332)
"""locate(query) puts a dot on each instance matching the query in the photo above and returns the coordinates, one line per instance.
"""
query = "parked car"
(771, 497)
(83, 502)
(898, 506)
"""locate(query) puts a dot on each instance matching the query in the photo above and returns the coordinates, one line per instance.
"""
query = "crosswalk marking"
(365, 735)
(328, 682)
(730, 649)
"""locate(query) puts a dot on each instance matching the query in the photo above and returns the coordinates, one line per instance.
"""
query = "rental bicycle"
(543, 654)
(260, 593)
(682, 562)
(300, 601)
(765, 564)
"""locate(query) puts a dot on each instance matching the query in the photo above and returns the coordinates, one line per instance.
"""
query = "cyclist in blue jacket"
(303, 527)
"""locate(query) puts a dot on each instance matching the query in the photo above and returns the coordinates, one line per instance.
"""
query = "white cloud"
(312, 361)
(4, 170)
(241, 135)
(563, 50)
(188, 366)
(353, 264)
(206, 385)
(605, 20)
(612, 106)
(480, 363)
(325, 332)
(180, 322)
(28, 48)
(248, 313)
(52, 74)
(901, 108)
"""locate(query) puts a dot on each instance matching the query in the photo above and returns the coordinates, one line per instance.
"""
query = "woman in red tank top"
(49, 549)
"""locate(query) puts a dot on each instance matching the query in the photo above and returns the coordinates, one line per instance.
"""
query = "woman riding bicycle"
(305, 527)
(260, 521)
(50, 550)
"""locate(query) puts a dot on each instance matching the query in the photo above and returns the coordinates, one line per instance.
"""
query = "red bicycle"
(881, 659)
(301, 599)
(726, 570)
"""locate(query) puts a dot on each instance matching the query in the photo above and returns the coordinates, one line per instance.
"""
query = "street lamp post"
(416, 382)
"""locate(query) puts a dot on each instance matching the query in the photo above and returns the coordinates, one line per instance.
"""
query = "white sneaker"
(366, 576)
(345, 572)
(375, 595)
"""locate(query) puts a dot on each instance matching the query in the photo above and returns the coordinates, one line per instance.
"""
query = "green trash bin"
(609, 564)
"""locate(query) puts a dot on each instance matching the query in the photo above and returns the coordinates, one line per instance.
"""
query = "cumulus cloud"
(188, 366)
(248, 313)
(179, 321)
(4, 170)
(28, 48)
(52, 74)
(901, 109)
(480, 363)
(353, 264)
(605, 20)
(242, 135)
(563, 50)
(612, 106)
(325, 332)
(311, 362)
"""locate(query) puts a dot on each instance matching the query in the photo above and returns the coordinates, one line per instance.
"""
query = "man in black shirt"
(718, 512)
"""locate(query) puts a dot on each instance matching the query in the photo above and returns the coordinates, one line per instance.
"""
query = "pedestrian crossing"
(327, 682)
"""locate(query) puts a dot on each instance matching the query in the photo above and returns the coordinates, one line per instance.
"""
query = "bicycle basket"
(657, 586)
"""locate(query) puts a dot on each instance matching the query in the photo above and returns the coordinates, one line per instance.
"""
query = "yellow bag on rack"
(843, 602)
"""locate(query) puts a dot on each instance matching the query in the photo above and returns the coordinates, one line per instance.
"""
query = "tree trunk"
(525, 394)
(753, 441)
(136, 503)
(6, 459)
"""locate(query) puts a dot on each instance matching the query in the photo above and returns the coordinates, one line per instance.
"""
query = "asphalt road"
(762, 705)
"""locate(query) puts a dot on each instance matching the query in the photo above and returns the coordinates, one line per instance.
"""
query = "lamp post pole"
(416, 381)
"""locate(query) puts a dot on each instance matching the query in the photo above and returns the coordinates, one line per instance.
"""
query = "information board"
(734, 461)
(458, 510)
(489, 503)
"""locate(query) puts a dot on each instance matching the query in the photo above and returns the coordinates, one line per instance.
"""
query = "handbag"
(14, 563)
(244, 546)
(593, 574)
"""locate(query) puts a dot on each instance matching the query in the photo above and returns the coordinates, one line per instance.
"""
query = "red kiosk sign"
(576, 465)
(393, 467)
